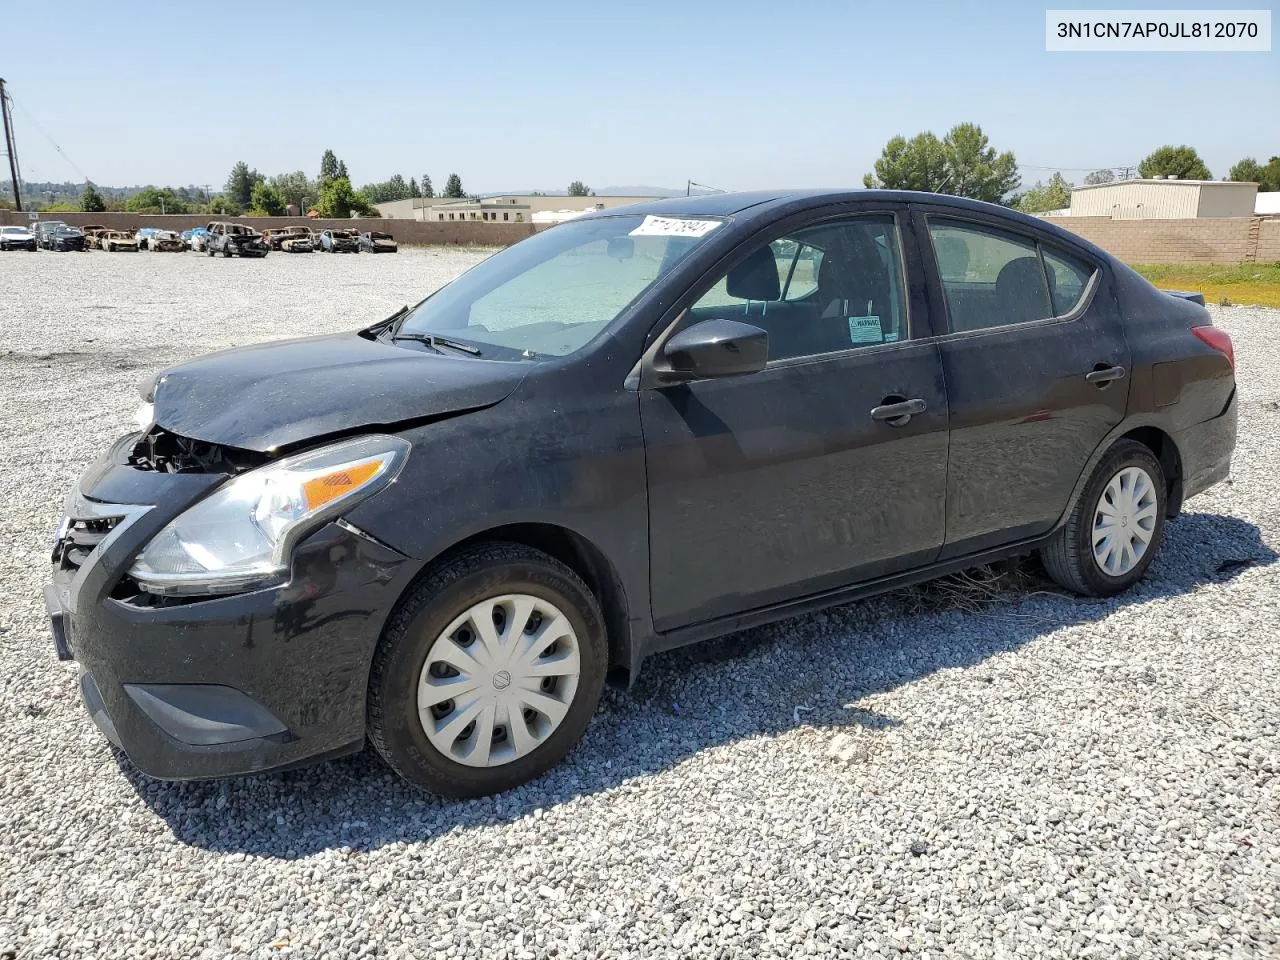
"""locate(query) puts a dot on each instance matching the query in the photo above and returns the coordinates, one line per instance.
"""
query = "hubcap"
(1124, 521)
(499, 680)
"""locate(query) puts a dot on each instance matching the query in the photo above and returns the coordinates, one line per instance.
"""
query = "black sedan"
(63, 239)
(635, 430)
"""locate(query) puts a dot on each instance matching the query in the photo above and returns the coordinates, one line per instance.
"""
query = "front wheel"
(1114, 530)
(488, 672)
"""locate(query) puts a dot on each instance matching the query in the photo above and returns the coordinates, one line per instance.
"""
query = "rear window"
(994, 278)
(1068, 279)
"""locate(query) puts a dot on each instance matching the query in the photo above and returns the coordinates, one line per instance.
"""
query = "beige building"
(1164, 199)
(508, 208)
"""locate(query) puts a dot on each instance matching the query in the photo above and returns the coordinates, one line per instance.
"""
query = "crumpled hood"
(270, 396)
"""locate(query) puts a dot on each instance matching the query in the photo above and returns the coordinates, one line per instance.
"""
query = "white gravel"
(1054, 777)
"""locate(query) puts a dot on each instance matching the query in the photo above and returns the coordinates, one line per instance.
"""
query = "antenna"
(10, 147)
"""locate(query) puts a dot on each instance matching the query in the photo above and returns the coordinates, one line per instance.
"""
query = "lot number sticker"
(674, 227)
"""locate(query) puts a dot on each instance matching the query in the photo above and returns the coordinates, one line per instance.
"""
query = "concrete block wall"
(1204, 240)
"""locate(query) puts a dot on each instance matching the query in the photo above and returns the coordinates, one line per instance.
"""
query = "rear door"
(795, 479)
(1036, 367)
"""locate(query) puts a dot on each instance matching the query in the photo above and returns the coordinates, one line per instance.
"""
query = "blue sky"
(512, 95)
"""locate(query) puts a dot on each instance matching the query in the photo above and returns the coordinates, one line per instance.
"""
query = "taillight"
(1219, 340)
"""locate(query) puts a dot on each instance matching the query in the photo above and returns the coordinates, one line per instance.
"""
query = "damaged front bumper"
(216, 686)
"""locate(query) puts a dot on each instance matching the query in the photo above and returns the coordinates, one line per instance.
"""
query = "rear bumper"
(231, 685)
(1206, 450)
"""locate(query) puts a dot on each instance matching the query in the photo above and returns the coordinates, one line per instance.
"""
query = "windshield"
(551, 294)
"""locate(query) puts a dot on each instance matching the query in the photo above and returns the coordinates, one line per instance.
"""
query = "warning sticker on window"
(674, 227)
(865, 330)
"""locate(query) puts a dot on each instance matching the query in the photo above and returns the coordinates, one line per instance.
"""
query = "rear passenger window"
(1068, 278)
(991, 278)
(819, 290)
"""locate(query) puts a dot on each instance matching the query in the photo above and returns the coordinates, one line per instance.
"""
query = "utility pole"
(9, 145)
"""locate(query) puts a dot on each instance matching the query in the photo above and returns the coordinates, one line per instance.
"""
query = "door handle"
(898, 413)
(1103, 375)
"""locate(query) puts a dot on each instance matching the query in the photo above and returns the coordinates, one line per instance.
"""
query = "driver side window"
(823, 289)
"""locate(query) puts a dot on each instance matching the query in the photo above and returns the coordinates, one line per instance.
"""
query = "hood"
(265, 397)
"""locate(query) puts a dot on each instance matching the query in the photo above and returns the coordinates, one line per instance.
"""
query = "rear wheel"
(488, 672)
(1114, 530)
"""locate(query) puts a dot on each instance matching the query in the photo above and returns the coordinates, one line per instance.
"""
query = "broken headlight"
(241, 537)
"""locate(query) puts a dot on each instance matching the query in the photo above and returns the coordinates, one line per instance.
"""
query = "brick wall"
(406, 231)
(1205, 240)
(1269, 241)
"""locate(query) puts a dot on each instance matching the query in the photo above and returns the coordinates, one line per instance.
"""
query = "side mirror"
(713, 348)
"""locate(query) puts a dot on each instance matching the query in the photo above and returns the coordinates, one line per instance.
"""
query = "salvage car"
(289, 239)
(166, 241)
(91, 232)
(338, 241)
(374, 242)
(17, 238)
(233, 239)
(144, 236)
(117, 240)
(637, 429)
(195, 237)
(56, 235)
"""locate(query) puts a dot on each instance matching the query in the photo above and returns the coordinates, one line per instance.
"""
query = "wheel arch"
(581, 556)
(1166, 451)
(1155, 438)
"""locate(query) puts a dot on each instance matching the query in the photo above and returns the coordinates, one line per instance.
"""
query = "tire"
(420, 620)
(1069, 556)
(208, 251)
(226, 252)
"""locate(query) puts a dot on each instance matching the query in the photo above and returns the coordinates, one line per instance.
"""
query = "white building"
(1167, 199)
(507, 208)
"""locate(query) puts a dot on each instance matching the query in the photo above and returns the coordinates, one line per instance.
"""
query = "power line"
(42, 133)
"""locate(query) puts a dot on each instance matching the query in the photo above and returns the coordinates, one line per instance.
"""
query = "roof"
(1165, 182)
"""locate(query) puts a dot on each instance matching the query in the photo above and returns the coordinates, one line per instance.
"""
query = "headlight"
(241, 537)
(144, 416)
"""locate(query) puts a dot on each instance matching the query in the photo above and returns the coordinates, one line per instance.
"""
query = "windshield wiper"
(435, 340)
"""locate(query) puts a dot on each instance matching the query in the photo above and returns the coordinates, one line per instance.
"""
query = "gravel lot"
(1050, 777)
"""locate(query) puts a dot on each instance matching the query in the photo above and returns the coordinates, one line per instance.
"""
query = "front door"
(1036, 365)
(826, 468)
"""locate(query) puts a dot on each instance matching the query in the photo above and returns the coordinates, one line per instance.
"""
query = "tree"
(265, 202)
(453, 188)
(91, 200)
(961, 163)
(1055, 195)
(328, 166)
(1250, 170)
(974, 169)
(1105, 175)
(224, 207)
(414, 190)
(156, 200)
(240, 184)
(1182, 162)
(579, 189)
(916, 164)
(342, 171)
(339, 200)
(427, 190)
(1247, 170)
(294, 188)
